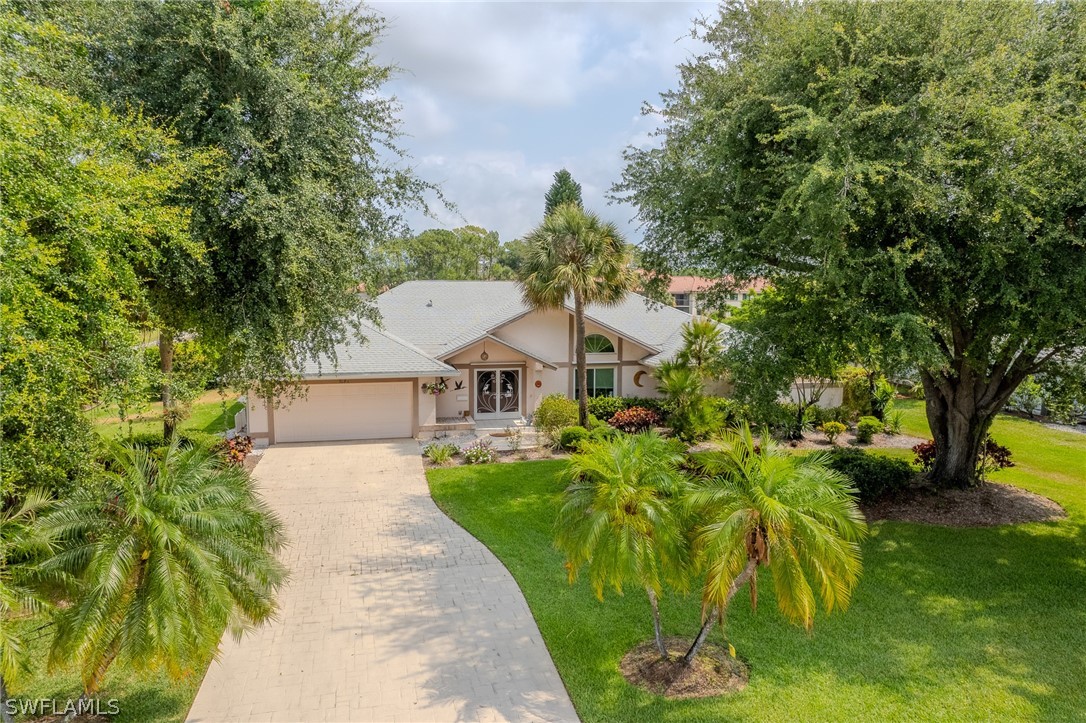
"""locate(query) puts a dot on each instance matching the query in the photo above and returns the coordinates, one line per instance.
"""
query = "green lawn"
(141, 697)
(205, 415)
(947, 624)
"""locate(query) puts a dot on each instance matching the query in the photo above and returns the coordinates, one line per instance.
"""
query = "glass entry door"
(497, 393)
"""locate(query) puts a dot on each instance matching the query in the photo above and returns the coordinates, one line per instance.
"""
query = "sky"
(497, 96)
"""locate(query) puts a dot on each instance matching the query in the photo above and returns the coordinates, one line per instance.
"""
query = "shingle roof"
(441, 316)
(381, 355)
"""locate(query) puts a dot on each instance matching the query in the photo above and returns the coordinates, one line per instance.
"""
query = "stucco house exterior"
(496, 357)
(688, 293)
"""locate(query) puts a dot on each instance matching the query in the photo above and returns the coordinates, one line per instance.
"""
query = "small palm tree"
(21, 547)
(166, 553)
(573, 254)
(689, 414)
(761, 507)
(621, 517)
(703, 347)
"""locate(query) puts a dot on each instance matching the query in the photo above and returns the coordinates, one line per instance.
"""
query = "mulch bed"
(713, 672)
(505, 456)
(985, 505)
(848, 439)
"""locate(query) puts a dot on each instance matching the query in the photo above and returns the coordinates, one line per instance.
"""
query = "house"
(492, 357)
(696, 294)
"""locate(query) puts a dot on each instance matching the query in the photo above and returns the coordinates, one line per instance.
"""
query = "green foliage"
(571, 437)
(1028, 397)
(440, 453)
(621, 516)
(760, 507)
(832, 430)
(160, 600)
(555, 412)
(467, 253)
(691, 415)
(562, 191)
(606, 407)
(856, 396)
(873, 475)
(87, 210)
(290, 98)
(911, 190)
(867, 428)
(703, 347)
(23, 590)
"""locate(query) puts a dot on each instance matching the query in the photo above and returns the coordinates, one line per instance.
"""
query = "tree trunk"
(165, 352)
(582, 359)
(959, 423)
(737, 583)
(95, 682)
(659, 635)
(5, 714)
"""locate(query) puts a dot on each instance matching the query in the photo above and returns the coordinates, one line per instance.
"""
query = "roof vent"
(430, 302)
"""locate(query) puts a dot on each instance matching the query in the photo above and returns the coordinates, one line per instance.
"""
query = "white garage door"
(357, 410)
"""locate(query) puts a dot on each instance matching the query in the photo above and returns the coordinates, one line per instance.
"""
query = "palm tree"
(166, 553)
(761, 507)
(21, 546)
(703, 347)
(621, 517)
(689, 414)
(575, 254)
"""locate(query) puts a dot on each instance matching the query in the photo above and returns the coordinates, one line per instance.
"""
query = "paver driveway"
(392, 613)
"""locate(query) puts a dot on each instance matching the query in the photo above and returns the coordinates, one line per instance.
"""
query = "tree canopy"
(563, 190)
(919, 162)
(290, 95)
(467, 253)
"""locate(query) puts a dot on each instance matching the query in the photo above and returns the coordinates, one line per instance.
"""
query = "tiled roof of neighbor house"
(688, 284)
(381, 355)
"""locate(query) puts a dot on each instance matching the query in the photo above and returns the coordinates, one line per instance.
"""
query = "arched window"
(598, 344)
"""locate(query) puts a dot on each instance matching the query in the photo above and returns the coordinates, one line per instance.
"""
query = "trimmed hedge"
(874, 475)
(572, 437)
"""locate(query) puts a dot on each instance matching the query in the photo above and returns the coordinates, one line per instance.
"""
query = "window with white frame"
(681, 302)
(598, 344)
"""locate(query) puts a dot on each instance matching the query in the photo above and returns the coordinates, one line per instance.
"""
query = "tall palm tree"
(22, 544)
(761, 507)
(574, 254)
(164, 555)
(621, 517)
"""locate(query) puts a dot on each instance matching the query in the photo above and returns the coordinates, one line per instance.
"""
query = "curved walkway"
(392, 613)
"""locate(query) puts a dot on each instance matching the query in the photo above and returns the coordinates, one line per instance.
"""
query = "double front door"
(497, 394)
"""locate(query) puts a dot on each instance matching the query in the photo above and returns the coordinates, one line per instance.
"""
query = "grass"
(946, 624)
(205, 415)
(141, 696)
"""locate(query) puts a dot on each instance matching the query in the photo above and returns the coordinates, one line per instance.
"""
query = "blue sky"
(498, 96)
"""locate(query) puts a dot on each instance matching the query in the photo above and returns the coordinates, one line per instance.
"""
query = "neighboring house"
(497, 357)
(691, 294)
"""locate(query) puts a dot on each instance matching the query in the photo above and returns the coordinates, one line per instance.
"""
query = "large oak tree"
(921, 162)
(291, 97)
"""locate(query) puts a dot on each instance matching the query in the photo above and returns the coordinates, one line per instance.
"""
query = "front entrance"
(497, 394)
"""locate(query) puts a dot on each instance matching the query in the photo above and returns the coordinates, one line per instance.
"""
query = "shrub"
(635, 419)
(514, 437)
(235, 449)
(606, 407)
(867, 429)
(730, 412)
(894, 420)
(832, 430)
(924, 455)
(653, 405)
(479, 452)
(572, 437)
(603, 433)
(147, 440)
(203, 440)
(440, 453)
(993, 457)
(874, 476)
(840, 414)
(555, 412)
